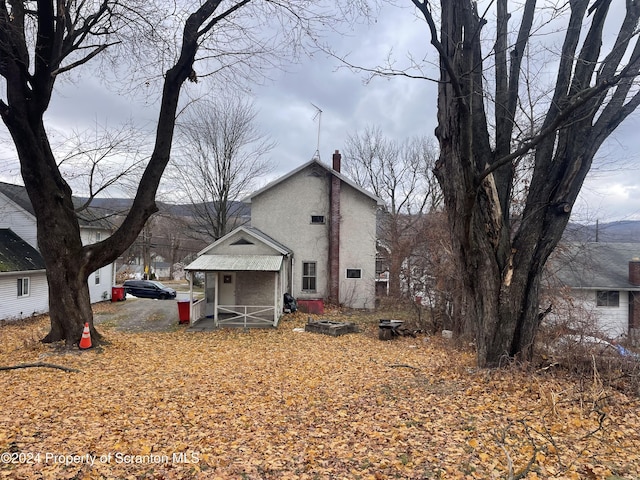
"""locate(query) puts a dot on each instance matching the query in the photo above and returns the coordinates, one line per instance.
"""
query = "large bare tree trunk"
(67, 261)
(501, 259)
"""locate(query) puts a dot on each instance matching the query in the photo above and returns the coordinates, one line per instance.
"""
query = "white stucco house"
(604, 282)
(312, 235)
(16, 214)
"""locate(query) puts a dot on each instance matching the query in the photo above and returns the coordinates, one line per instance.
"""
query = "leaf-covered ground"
(281, 404)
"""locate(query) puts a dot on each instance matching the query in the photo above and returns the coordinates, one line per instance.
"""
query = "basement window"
(23, 287)
(607, 298)
(354, 273)
(317, 219)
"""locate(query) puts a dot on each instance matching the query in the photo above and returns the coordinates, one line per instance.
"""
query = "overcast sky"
(400, 107)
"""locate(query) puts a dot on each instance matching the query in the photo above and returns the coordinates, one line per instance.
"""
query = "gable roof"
(89, 217)
(595, 265)
(18, 195)
(16, 255)
(323, 166)
(252, 232)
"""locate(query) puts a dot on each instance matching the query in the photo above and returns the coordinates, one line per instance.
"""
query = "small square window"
(354, 273)
(317, 219)
(227, 279)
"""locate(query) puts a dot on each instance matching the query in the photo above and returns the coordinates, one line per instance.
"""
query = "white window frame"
(346, 273)
(22, 283)
(309, 276)
(97, 276)
(607, 298)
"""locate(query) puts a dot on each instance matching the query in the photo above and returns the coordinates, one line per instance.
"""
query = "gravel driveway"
(142, 314)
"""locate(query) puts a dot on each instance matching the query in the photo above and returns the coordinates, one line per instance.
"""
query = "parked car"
(148, 289)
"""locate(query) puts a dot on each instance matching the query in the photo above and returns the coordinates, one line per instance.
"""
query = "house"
(23, 279)
(319, 230)
(604, 281)
(17, 214)
(247, 274)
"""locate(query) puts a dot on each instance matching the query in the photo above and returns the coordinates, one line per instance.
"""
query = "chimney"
(334, 233)
(634, 271)
(336, 161)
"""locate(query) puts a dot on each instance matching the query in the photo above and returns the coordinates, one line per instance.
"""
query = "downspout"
(334, 232)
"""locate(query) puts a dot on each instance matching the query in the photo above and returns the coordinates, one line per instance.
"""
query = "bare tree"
(42, 41)
(222, 155)
(502, 260)
(400, 175)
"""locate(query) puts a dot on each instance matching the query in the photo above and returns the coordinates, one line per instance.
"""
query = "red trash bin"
(183, 311)
(117, 294)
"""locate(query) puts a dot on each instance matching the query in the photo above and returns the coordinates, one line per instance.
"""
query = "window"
(23, 287)
(380, 267)
(608, 298)
(97, 275)
(317, 218)
(354, 273)
(308, 275)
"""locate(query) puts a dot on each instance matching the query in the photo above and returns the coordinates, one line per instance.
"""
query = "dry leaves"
(280, 404)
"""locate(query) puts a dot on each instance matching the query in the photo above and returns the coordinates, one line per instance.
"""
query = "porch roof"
(227, 263)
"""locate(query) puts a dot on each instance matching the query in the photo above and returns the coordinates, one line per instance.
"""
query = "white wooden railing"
(248, 314)
(197, 310)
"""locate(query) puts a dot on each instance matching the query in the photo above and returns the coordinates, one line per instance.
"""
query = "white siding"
(21, 222)
(13, 307)
(102, 290)
(611, 321)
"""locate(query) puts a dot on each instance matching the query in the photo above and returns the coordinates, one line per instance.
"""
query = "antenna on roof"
(318, 115)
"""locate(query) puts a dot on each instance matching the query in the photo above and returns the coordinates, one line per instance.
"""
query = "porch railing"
(247, 315)
(197, 310)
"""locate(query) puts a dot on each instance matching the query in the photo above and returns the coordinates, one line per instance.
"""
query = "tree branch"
(40, 364)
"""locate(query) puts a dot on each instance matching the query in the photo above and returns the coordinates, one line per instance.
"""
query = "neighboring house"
(16, 213)
(23, 280)
(604, 280)
(322, 228)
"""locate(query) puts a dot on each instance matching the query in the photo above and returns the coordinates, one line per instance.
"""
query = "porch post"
(191, 297)
(215, 300)
(275, 299)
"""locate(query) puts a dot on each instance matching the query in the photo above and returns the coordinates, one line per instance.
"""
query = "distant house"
(604, 280)
(17, 214)
(312, 235)
(23, 280)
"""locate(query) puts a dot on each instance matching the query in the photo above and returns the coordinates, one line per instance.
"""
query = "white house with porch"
(246, 274)
(312, 235)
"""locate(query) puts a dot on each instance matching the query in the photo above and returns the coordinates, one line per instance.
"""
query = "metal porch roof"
(249, 263)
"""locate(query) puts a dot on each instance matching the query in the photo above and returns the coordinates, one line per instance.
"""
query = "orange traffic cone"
(85, 341)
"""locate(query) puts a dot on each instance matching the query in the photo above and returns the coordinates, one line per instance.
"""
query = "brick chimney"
(337, 159)
(634, 271)
(334, 233)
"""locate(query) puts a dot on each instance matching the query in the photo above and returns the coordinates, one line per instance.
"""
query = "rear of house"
(329, 223)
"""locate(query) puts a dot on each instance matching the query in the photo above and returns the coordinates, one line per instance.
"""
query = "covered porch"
(245, 277)
(240, 298)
